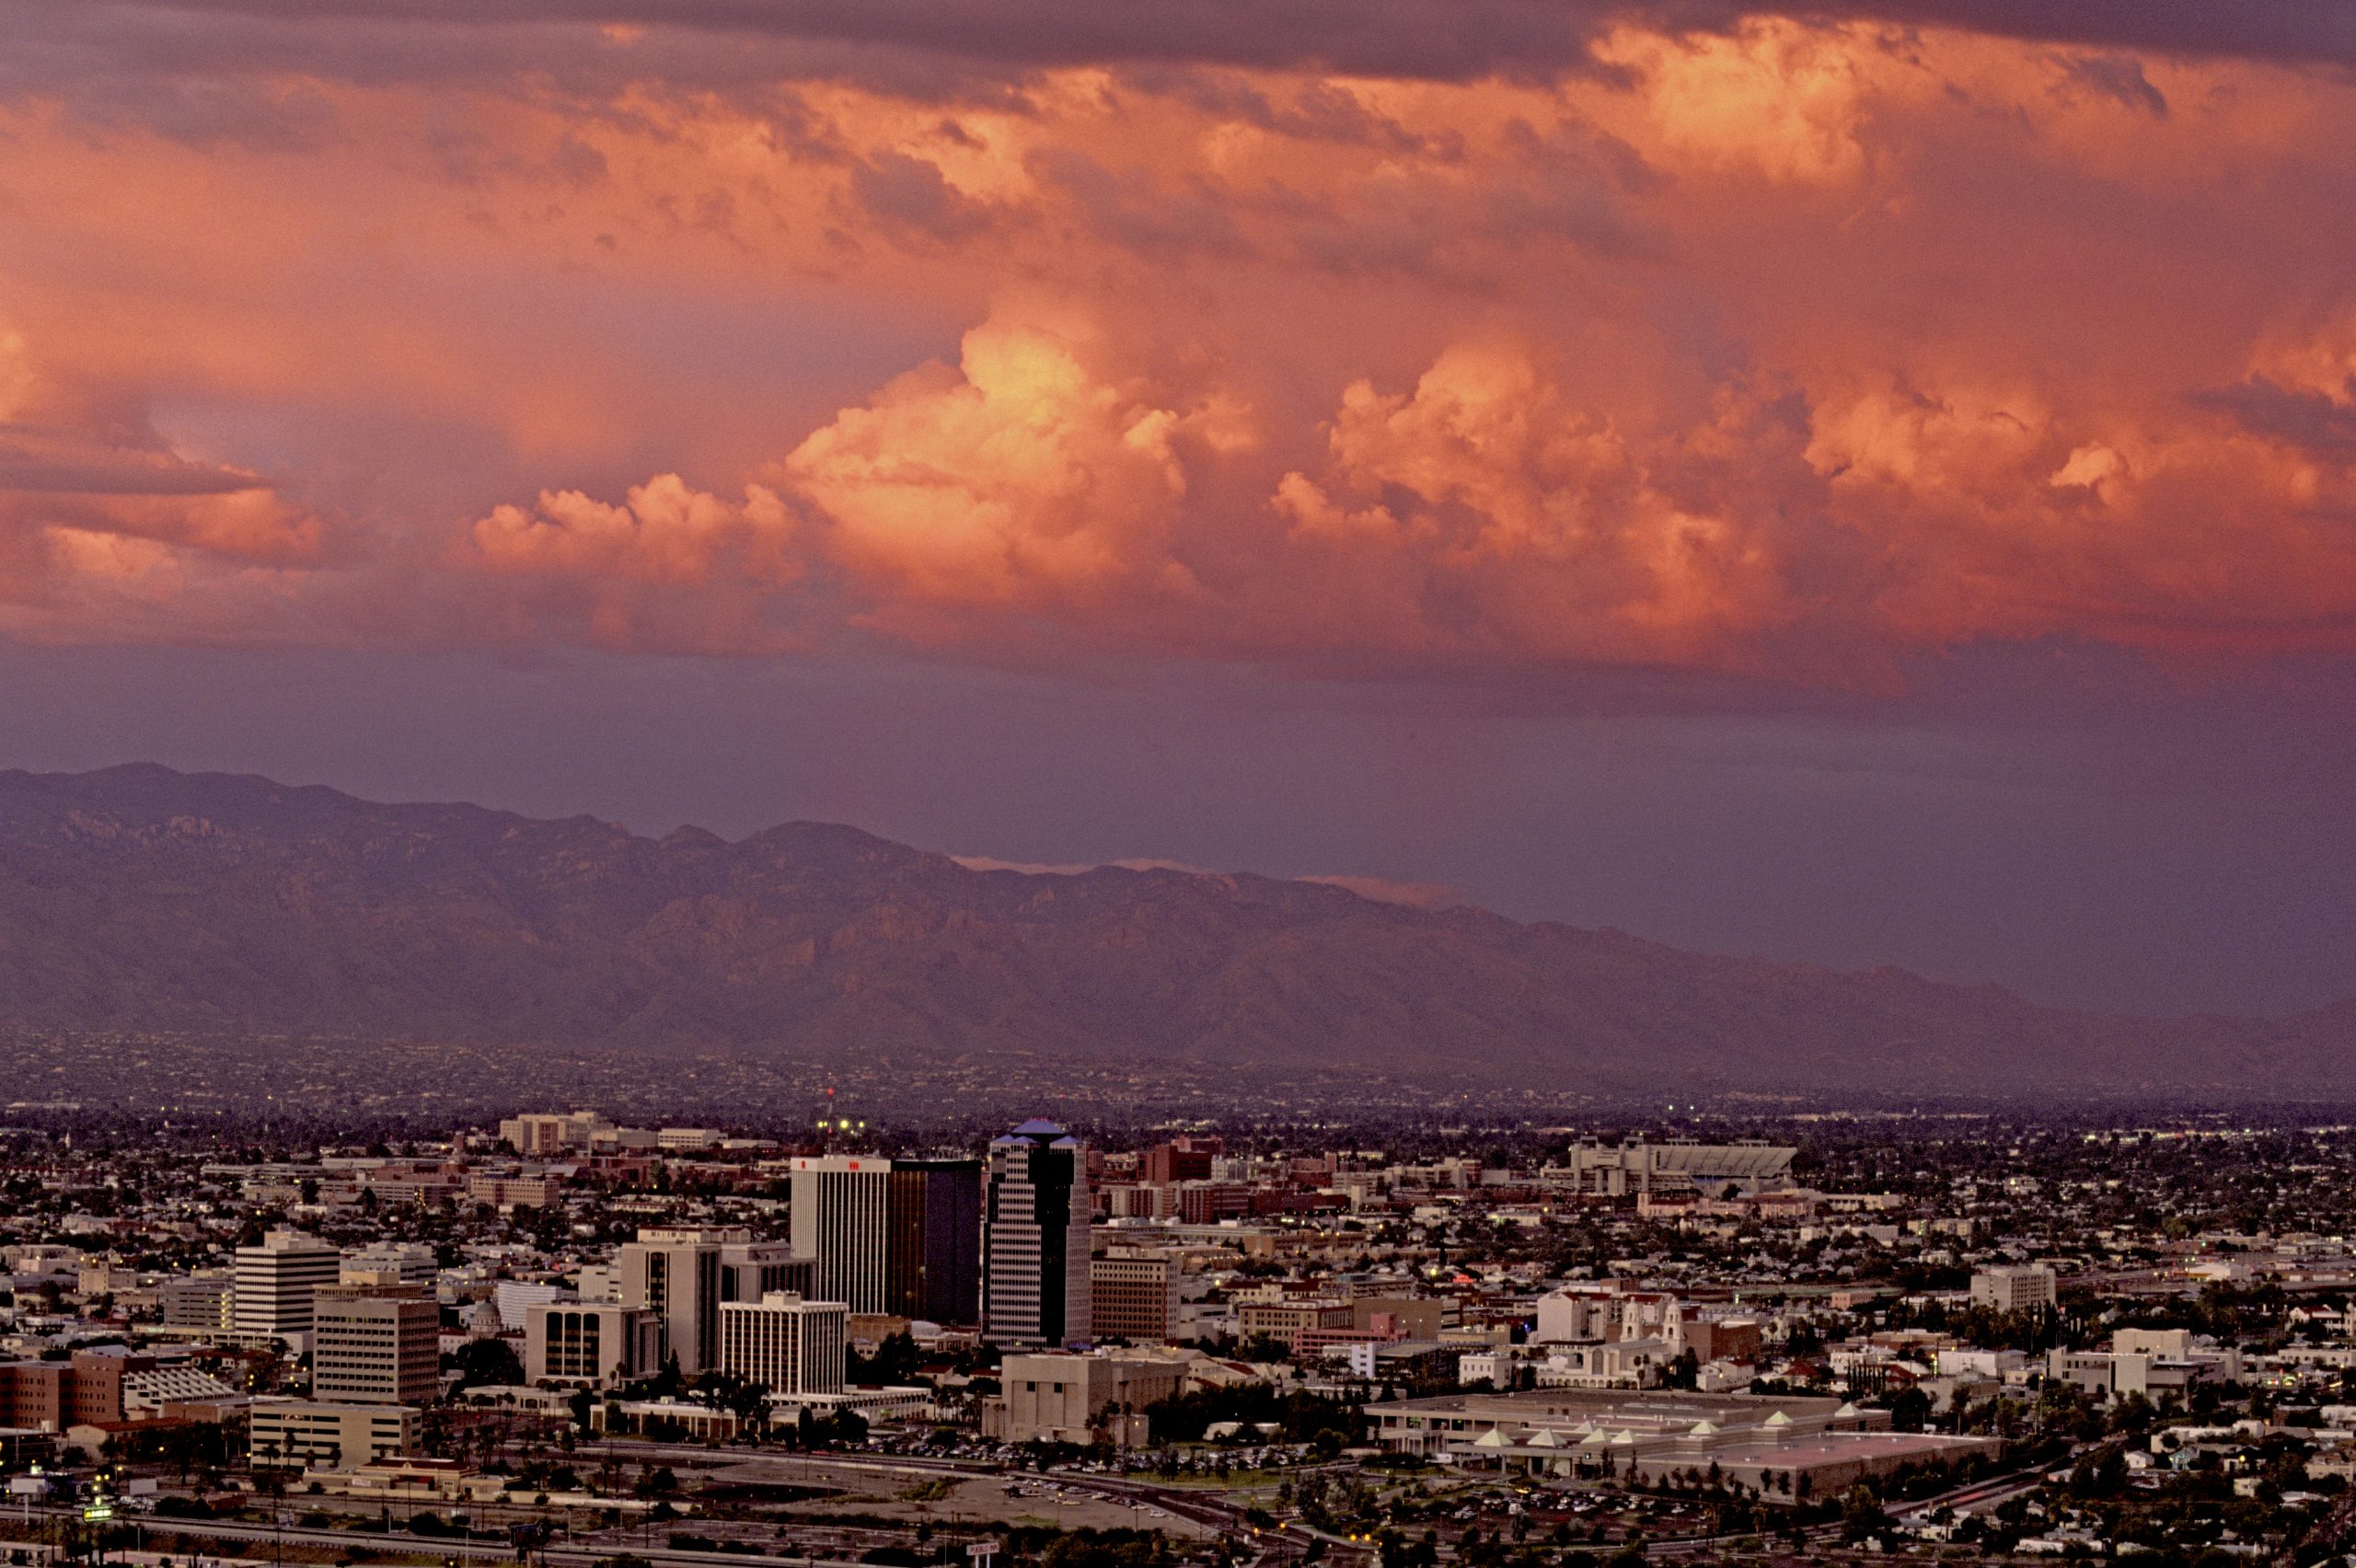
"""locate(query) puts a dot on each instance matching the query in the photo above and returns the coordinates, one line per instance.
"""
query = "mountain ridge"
(138, 898)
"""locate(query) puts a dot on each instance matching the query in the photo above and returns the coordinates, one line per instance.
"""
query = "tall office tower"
(935, 1269)
(787, 1344)
(676, 1274)
(1034, 1238)
(840, 1203)
(277, 1281)
(895, 1235)
(375, 1346)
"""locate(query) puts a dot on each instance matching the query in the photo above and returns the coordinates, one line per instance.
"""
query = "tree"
(1861, 1514)
(484, 1363)
(749, 1402)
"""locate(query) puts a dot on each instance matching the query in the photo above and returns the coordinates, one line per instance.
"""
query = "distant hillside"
(140, 899)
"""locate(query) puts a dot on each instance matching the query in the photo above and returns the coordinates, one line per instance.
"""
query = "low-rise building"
(2024, 1289)
(594, 1344)
(1071, 1398)
(317, 1430)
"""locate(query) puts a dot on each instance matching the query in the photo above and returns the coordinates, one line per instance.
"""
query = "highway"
(356, 1541)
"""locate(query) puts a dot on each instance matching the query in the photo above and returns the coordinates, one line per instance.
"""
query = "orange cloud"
(1791, 348)
(664, 533)
(98, 513)
(1025, 479)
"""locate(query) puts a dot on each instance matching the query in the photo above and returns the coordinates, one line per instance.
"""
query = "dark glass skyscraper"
(1034, 1238)
(933, 1214)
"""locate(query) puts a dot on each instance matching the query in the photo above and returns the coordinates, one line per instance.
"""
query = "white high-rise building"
(278, 1282)
(901, 1237)
(1036, 1214)
(841, 1213)
(787, 1344)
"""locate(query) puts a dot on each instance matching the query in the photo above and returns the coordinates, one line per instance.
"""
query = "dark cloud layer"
(1436, 39)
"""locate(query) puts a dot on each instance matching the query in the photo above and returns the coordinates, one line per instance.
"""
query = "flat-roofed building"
(1070, 1398)
(1134, 1298)
(676, 1274)
(544, 1133)
(594, 1344)
(409, 1262)
(787, 1344)
(750, 1270)
(375, 1346)
(197, 1300)
(897, 1236)
(2022, 1288)
(278, 1281)
(514, 1189)
(1676, 1165)
(1789, 1449)
(341, 1434)
(1287, 1320)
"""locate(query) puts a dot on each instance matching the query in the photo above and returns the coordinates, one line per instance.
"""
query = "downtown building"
(684, 1276)
(375, 1345)
(1132, 1296)
(785, 1345)
(899, 1238)
(1035, 1212)
(597, 1343)
(276, 1284)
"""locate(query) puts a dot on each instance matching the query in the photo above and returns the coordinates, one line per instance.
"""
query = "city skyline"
(1177, 783)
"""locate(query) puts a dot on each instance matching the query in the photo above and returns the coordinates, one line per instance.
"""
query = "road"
(1178, 1502)
(355, 1542)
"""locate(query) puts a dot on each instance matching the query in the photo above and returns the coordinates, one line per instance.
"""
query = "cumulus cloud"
(1024, 478)
(670, 568)
(664, 533)
(1787, 345)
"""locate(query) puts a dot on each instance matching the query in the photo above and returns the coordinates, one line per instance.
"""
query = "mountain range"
(140, 900)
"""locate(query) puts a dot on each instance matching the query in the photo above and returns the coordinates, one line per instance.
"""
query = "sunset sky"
(1869, 484)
